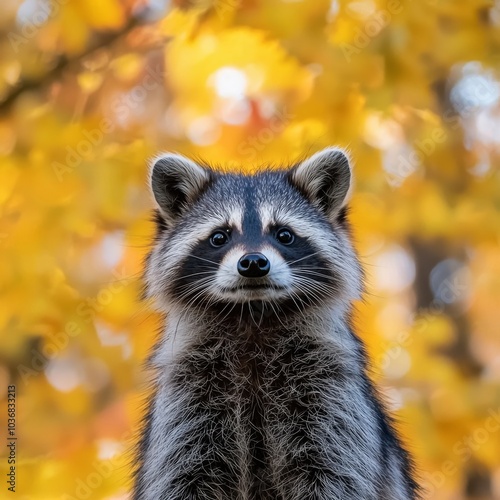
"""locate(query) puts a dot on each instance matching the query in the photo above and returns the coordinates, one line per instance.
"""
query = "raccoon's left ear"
(325, 179)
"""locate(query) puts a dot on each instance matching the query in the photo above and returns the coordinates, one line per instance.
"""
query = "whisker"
(306, 278)
(311, 288)
(205, 260)
(241, 315)
(193, 274)
(193, 288)
(302, 258)
(217, 264)
(230, 311)
(251, 314)
(273, 303)
(326, 277)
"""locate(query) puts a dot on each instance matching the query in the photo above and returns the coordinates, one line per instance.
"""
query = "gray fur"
(276, 405)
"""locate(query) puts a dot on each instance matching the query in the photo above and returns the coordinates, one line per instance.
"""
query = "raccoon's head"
(278, 238)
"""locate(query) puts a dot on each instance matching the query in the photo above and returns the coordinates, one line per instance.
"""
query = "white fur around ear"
(176, 182)
(325, 178)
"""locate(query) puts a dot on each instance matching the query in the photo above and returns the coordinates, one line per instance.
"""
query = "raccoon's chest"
(252, 388)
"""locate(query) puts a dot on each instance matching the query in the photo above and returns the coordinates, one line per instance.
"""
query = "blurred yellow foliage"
(91, 89)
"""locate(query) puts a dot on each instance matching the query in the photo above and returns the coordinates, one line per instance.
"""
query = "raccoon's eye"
(285, 236)
(219, 238)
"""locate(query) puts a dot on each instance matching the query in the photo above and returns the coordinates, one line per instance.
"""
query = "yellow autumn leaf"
(101, 14)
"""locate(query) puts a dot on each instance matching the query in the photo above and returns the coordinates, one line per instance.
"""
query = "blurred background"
(91, 89)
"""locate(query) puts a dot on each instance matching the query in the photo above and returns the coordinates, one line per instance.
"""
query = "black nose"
(253, 265)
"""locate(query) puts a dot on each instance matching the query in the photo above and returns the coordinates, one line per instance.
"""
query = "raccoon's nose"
(254, 265)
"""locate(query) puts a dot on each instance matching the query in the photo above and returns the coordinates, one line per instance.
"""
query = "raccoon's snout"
(254, 265)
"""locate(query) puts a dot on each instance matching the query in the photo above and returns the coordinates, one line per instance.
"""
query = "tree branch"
(61, 65)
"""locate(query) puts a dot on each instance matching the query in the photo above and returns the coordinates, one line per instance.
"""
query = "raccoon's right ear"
(176, 182)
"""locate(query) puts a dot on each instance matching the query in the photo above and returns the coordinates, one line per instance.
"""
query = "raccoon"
(261, 389)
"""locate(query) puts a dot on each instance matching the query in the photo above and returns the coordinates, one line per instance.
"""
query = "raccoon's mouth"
(262, 286)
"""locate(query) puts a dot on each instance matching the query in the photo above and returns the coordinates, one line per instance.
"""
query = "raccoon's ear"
(324, 178)
(176, 182)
